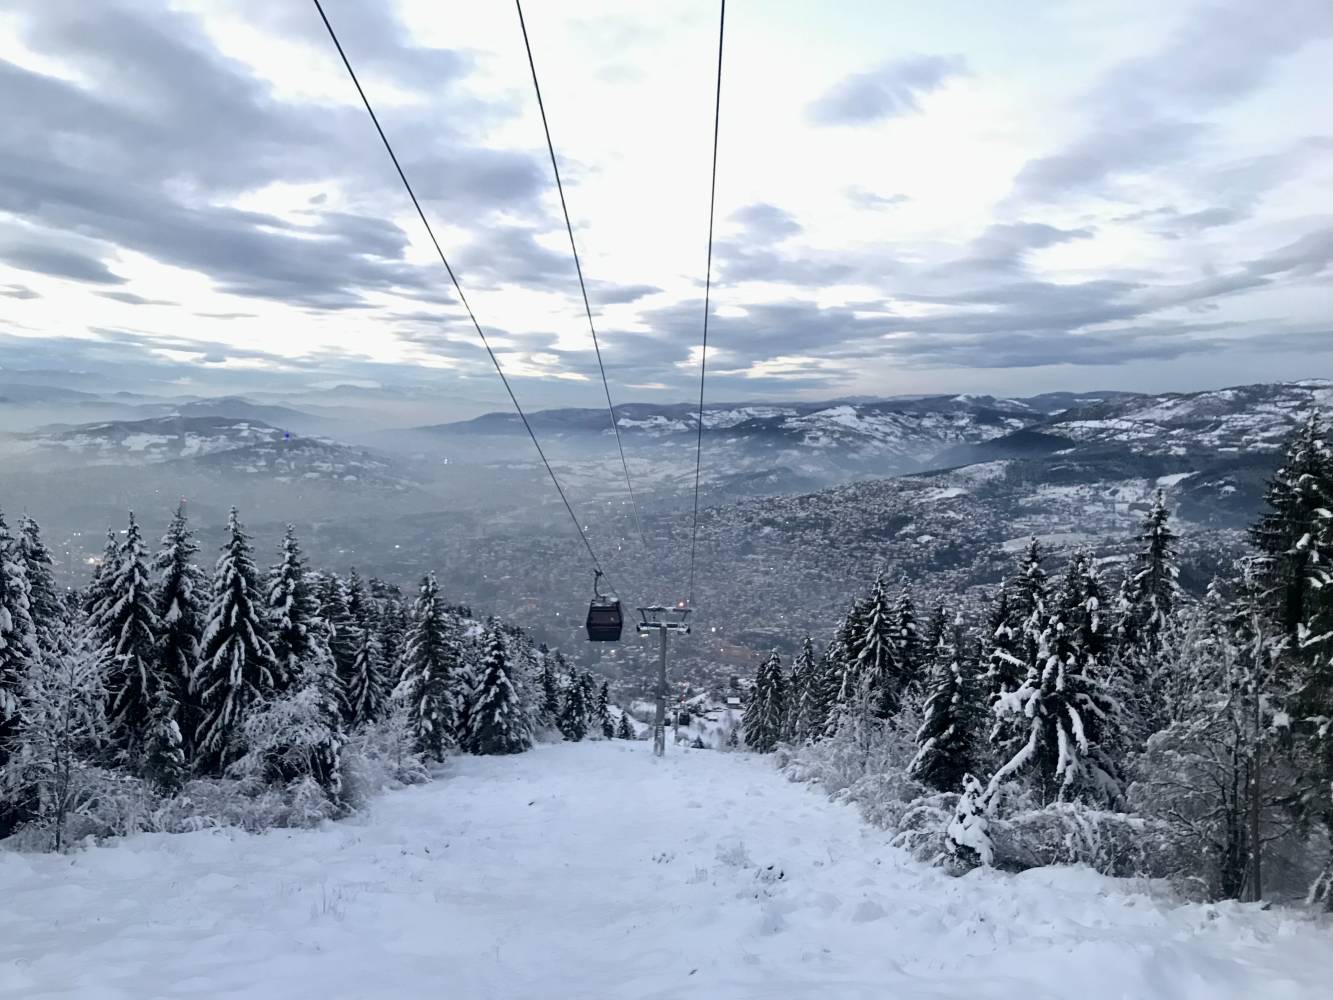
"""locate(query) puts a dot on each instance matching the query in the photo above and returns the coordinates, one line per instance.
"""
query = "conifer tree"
(806, 695)
(365, 680)
(575, 710)
(164, 763)
(331, 594)
(98, 586)
(949, 740)
(937, 628)
(498, 725)
(549, 715)
(878, 662)
(178, 602)
(766, 712)
(236, 665)
(430, 659)
(125, 627)
(603, 711)
(1154, 586)
(45, 606)
(623, 728)
(20, 657)
(291, 610)
(907, 641)
(1027, 588)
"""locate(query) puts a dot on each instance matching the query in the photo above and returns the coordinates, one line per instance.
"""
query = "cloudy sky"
(955, 196)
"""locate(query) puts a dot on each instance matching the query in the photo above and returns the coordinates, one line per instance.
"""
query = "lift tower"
(663, 621)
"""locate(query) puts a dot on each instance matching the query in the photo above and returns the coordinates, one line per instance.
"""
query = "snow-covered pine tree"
(878, 662)
(602, 713)
(575, 710)
(951, 736)
(291, 609)
(806, 695)
(125, 627)
(430, 660)
(549, 715)
(1060, 712)
(394, 622)
(64, 729)
(907, 642)
(497, 722)
(96, 593)
(178, 602)
(163, 757)
(967, 841)
(366, 682)
(937, 628)
(624, 731)
(766, 712)
(1027, 587)
(1289, 535)
(331, 595)
(20, 656)
(236, 664)
(45, 605)
(1154, 580)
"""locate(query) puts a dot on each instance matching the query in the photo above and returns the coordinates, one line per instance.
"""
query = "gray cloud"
(893, 89)
(59, 262)
(18, 292)
(864, 198)
(762, 221)
(129, 298)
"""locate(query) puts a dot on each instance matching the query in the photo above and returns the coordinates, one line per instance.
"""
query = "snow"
(591, 871)
(1174, 479)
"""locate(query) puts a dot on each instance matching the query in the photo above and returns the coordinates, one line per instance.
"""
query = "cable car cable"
(459, 290)
(587, 308)
(708, 287)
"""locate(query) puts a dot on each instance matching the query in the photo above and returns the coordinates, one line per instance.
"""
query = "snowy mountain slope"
(592, 871)
(157, 439)
(1240, 419)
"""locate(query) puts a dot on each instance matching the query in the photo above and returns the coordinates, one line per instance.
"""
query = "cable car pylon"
(663, 621)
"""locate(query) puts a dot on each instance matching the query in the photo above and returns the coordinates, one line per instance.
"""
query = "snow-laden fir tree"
(237, 667)
(575, 710)
(365, 681)
(967, 841)
(1154, 579)
(1290, 535)
(430, 659)
(549, 714)
(937, 627)
(602, 713)
(766, 712)
(291, 609)
(179, 598)
(1027, 587)
(393, 624)
(1061, 713)
(45, 605)
(163, 763)
(497, 722)
(907, 641)
(64, 729)
(96, 593)
(807, 709)
(20, 656)
(624, 731)
(878, 662)
(951, 736)
(125, 627)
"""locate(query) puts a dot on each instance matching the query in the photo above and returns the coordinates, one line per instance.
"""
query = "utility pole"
(662, 621)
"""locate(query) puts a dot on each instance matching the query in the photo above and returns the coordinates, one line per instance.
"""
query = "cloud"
(892, 90)
(1146, 112)
(59, 263)
(762, 221)
(1006, 247)
(864, 198)
(18, 292)
(129, 298)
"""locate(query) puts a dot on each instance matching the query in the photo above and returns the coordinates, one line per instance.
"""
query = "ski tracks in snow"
(594, 871)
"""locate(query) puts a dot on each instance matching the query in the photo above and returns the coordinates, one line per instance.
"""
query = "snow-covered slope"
(590, 871)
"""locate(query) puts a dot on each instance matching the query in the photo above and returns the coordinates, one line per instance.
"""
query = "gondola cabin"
(605, 620)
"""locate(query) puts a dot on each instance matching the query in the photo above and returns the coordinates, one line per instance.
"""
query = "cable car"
(605, 616)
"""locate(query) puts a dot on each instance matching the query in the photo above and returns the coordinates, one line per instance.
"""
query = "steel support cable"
(708, 287)
(388, 147)
(578, 267)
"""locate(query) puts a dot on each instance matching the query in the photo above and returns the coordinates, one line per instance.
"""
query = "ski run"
(592, 870)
